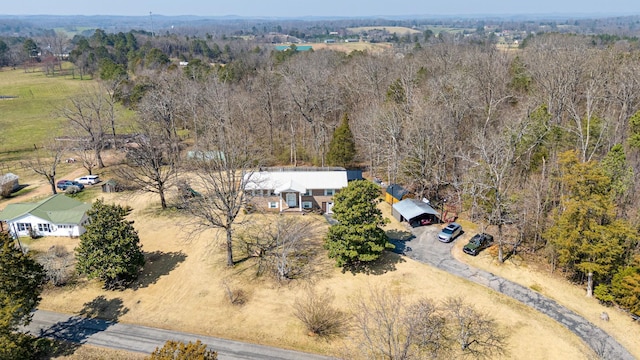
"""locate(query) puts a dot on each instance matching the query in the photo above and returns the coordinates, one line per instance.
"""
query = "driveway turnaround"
(425, 247)
(144, 339)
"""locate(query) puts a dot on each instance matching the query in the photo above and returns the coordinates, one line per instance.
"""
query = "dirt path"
(424, 247)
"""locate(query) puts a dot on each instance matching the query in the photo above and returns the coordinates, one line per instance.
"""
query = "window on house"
(307, 204)
(273, 205)
(272, 192)
(308, 192)
(44, 227)
(24, 226)
(329, 192)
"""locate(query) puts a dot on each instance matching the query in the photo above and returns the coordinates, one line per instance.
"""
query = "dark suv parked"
(477, 243)
(64, 184)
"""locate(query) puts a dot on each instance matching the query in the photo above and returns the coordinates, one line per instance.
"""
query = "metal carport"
(414, 211)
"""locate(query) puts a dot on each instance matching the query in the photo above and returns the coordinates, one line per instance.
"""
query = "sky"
(293, 8)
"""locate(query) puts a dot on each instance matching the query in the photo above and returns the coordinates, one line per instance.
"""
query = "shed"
(110, 186)
(415, 212)
(395, 193)
(10, 182)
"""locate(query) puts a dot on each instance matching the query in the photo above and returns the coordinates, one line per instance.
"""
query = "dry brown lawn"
(182, 288)
(400, 30)
(89, 352)
(349, 47)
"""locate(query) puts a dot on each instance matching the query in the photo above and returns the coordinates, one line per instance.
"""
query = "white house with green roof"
(57, 215)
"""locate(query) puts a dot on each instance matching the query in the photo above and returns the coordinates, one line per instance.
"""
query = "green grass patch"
(29, 118)
(88, 194)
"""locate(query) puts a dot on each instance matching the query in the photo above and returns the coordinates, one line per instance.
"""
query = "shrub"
(235, 296)
(317, 313)
(177, 350)
(72, 190)
(56, 263)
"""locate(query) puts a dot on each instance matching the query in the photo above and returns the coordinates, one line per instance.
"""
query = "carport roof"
(412, 208)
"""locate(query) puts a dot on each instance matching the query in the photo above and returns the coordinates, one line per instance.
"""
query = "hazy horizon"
(326, 8)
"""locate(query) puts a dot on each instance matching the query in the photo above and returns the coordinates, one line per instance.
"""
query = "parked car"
(64, 184)
(88, 179)
(477, 243)
(450, 232)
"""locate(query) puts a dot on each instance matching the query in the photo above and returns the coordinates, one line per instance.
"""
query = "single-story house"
(295, 189)
(415, 212)
(395, 193)
(57, 215)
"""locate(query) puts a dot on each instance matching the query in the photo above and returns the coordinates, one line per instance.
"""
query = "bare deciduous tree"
(476, 334)
(152, 161)
(388, 327)
(89, 116)
(220, 177)
(46, 162)
(87, 157)
(283, 246)
(58, 265)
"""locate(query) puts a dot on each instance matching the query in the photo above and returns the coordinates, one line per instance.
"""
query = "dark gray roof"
(397, 191)
(411, 208)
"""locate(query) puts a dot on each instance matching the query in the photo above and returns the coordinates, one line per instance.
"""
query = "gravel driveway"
(426, 248)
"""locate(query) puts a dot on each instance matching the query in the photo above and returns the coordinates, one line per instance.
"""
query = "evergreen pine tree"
(21, 280)
(357, 237)
(342, 148)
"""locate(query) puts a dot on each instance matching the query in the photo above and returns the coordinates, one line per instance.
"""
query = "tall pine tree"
(587, 238)
(342, 148)
(357, 237)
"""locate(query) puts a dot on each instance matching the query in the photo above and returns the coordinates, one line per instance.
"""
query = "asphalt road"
(145, 339)
(425, 247)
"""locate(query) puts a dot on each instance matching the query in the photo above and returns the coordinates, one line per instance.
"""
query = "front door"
(291, 200)
(329, 208)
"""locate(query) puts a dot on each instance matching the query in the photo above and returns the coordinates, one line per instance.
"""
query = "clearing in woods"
(183, 287)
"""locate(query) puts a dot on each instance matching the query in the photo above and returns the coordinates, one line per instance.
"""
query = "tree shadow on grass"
(96, 316)
(157, 264)
(385, 263)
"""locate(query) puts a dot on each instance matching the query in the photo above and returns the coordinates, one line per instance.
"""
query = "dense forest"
(539, 144)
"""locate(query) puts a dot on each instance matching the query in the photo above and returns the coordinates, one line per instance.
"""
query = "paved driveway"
(144, 339)
(425, 247)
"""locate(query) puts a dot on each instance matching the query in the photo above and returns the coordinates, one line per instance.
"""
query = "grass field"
(29, 118)
(351, 46)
